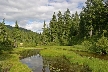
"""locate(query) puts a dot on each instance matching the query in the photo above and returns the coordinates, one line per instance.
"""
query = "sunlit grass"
(9, 60)
(12, 63)
(97, 65)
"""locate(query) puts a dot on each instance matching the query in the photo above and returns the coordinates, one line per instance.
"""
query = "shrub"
(87, 44)
(6, 45)
(100, 46)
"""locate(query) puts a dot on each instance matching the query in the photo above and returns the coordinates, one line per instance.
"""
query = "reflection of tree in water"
(29, 53)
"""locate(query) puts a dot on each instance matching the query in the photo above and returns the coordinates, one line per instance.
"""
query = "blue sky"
(30, 14)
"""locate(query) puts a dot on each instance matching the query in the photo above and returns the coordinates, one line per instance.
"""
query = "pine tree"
(53, 29)
(16, 35)
(66, 27)
(60, 26)
(45, 35)
(5, 43)
(74, 30)
(3, 34)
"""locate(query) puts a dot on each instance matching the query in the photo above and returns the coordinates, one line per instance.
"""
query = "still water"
(58, 64)
(35, 62)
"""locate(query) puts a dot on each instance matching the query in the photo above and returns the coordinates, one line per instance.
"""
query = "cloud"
(30, 14)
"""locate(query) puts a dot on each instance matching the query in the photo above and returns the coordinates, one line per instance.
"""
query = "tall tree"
(45, 35)
(66, 27)
(16, 34)
(93, 18)
(3, 33)
(74, 30)
(53, 29)
(60, 26)
(5, 43)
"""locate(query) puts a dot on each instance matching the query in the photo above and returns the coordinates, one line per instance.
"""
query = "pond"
(35, 62)
(52, 64)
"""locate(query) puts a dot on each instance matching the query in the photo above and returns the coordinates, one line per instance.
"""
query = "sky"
(30, 14)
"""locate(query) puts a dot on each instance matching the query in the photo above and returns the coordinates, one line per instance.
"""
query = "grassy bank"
(12, 63)
(97, 65)
(9, 61)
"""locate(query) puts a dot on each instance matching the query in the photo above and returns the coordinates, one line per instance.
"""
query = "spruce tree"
(5, 43)
(60, 26)
(45, 35)
(53, 29)
(3, 34)
(16, 35)
(93, 18)
(66, 27)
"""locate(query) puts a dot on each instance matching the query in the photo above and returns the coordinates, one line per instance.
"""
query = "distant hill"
(10, 27)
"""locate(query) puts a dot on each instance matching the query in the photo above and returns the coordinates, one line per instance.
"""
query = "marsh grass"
(61, 64)
(12, 63)
(97, 65)
(9, 60)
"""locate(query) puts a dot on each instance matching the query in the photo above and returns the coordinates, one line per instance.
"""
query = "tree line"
(71, 29)
(11, 37)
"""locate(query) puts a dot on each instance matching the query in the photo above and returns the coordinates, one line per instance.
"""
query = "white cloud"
(35, 11)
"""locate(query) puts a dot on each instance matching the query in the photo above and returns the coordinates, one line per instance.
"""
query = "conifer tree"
(53, 28)
(93, 18)
(3, 34)
(60, 26)
(16, 35)
(5, 43)
(45, 34)
(66, 27)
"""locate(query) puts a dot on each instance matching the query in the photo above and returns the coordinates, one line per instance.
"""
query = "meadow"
(10, 60)
(95, 64)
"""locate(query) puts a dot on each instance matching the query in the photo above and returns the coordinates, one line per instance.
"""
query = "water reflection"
(53, 64)
(35, 62)
(29, 53)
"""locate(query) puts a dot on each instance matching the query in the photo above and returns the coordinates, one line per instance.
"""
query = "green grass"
(11, 59)
(95, 64)
(75, 47)
(12, 63)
